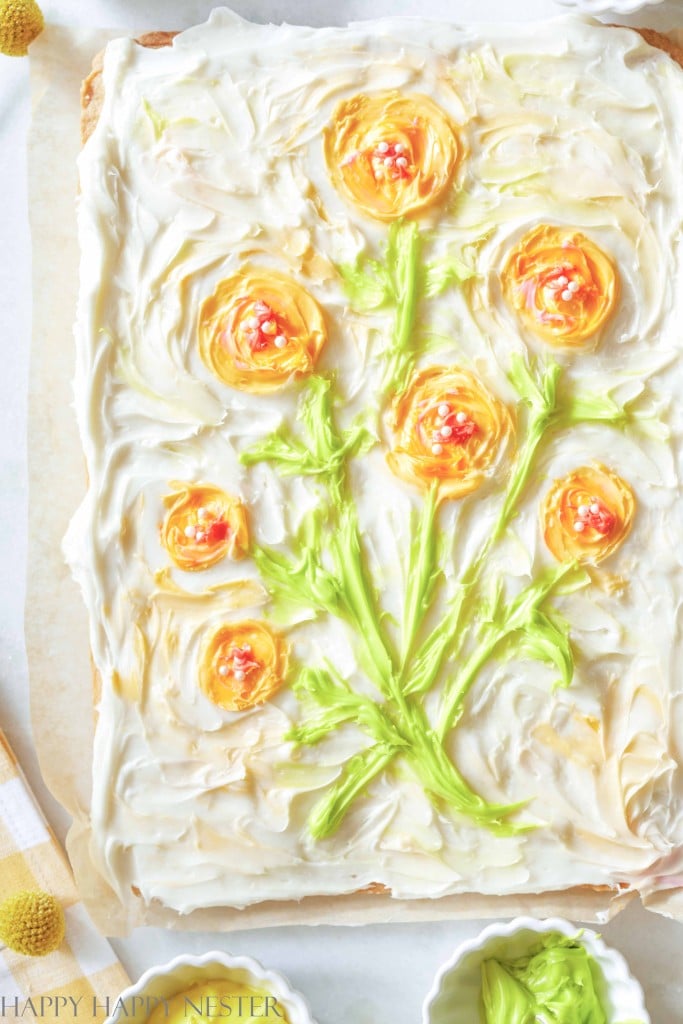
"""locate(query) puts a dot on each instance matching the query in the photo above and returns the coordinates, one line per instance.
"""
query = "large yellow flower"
(242, 664)
(260, 329)
(448, 428)
(562, 286)
(390, 154)
(587, 514)
(203, 524)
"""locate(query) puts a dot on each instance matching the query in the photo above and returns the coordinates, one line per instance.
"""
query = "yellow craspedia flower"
(32, 923)
(20, 22)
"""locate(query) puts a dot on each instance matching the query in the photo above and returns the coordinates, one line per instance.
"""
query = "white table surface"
(371, 975)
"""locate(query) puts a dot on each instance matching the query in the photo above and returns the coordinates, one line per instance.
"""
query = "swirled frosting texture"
(208, 157)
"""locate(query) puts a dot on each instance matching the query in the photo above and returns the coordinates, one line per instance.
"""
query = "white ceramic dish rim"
(615, 6)
(298, 1009)
(520, 924)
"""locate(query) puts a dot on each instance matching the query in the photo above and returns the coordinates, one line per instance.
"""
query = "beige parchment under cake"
(57, 637)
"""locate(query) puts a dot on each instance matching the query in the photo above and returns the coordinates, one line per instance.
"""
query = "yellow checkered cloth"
(79, 980)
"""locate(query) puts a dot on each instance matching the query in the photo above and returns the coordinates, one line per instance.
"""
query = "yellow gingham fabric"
(82, 977)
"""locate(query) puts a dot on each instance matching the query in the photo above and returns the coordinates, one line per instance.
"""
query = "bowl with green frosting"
(535, 972)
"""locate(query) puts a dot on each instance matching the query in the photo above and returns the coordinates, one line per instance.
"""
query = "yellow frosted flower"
(449, 430)
(32, 923)
(242, 665)
(20, 22)
(560, 284)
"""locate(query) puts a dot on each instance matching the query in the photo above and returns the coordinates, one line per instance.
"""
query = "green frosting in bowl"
(556, 982)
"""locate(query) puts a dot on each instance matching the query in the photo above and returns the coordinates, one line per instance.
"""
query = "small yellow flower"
(32, 923)
(448, 429)
(562, 286)
(587, 514)
(203, 524)
(20, 22)
(259, 330)
(390, 154)
(243, 664)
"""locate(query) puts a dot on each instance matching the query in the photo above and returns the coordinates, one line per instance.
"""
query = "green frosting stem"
(557, 982)
(403, 265)
(422, 574)
(357, 599)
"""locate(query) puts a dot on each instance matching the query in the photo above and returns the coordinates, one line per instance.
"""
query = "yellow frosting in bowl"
(221, 999)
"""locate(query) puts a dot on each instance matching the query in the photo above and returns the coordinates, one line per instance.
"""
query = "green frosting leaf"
(356, 774)
(557, 982)
(366, 283)
(439, 274)
(543, 639)
(325, 688)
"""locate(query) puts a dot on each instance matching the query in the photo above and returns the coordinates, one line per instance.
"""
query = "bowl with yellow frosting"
(528, 971)
(192, 989)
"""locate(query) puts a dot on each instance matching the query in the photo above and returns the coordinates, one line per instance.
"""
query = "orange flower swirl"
(260, 329)
(391, 155)
(242, 664)
(561, 285)
(203, 524)
(448, 428)
(587, 514)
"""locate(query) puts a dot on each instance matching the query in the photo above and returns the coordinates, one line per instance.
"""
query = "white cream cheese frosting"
(208, 155)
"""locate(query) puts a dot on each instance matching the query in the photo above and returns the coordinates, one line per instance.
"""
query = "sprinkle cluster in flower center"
(566, 282)
(239, 663)
(209, 527)
(262, 328)
(596, 516)
(453, 427)
(390, 161)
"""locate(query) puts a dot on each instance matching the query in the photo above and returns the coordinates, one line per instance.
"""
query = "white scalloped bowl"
(454, 996)
(613, 6)
(175, 977)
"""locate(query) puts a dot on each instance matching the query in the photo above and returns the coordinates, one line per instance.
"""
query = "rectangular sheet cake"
(378, 383)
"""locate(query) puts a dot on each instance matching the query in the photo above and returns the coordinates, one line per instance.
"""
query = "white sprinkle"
(567, 295)
(202, 513)
(389, 161)
(573, 286)
(446, 431)
(280, 341)
(562, 281)
(583, 511)
(239, 675)
(437, 449)
(252, 323)
(246, 648)
(223, 670)
(444, 409)
(199, 535)
(461, 417)
(401, 161)
(399, 148)
(269, 327)
(383, 147)
(595, 508)
(189, 531)
(579, 526)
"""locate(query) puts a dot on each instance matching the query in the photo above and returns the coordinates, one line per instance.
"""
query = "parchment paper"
(56, 626)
